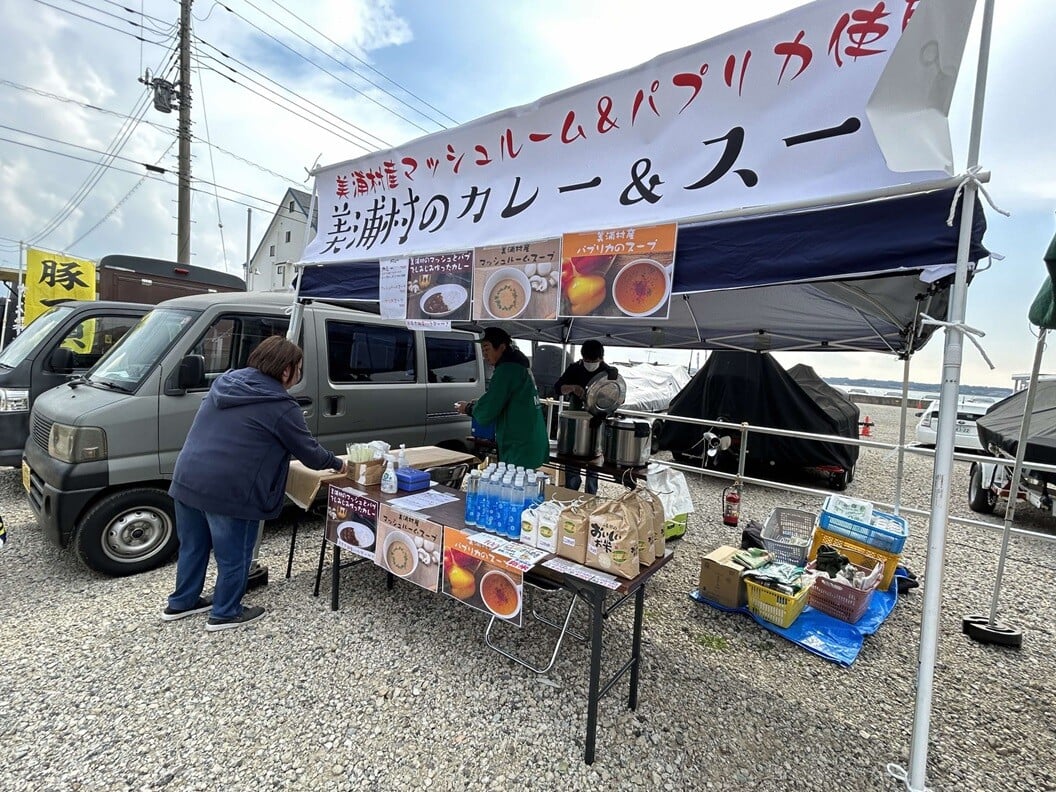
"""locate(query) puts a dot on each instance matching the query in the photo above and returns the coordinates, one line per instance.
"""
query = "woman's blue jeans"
(231, 541)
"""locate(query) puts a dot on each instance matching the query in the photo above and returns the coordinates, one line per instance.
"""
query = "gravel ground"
(398, 690)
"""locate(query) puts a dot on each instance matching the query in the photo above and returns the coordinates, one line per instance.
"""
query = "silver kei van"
(102, 448)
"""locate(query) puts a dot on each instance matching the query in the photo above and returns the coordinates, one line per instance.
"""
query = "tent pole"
(902, 431)
(943, 470)
(1013, 490)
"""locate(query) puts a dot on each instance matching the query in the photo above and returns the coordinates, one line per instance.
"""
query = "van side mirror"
(61, 361)
(191, 374)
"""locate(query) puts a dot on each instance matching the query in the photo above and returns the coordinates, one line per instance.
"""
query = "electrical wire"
(379, 141)
(159, 127)
(101, 24)
(307, 118)
(305, 58)
(158, 176)
(72, 145)
(117, 144)
(120, 18)
(360, 60)
(212, 164)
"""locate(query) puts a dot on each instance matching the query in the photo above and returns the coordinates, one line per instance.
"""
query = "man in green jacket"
(511, 403)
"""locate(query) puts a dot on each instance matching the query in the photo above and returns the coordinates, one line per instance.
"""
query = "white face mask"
(592, 367)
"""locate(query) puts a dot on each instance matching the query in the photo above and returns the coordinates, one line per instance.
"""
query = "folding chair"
(533, 587)
(450, 475)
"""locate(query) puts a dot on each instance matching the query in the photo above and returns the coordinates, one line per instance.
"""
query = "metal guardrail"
(746, 429)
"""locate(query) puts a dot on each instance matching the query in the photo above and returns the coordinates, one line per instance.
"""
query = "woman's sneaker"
(201, 606)
(248, 615)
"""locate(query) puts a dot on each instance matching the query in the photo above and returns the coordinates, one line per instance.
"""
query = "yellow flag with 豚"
(57, 276)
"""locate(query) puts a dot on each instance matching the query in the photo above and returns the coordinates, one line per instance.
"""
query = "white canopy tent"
(793, 293)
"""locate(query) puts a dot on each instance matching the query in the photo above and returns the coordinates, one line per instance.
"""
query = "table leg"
(636, 646)
(597, 615)
(335, 577)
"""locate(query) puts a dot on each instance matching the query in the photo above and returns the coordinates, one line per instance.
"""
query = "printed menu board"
(481, 578)
(438, 287)
(623, 273)
(351, 521)
(517, 281)
(409, 546)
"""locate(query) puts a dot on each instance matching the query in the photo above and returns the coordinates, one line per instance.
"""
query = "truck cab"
(103, 448)
(59, 345)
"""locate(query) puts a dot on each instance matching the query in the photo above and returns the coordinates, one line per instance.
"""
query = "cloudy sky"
(275, 92)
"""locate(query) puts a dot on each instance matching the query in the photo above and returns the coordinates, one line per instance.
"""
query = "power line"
(86, 105)
(72, 145)
(158, 176)
(122, 136)
(368, 145)
(212, 166)
(120, 18)
(306, 59)
(360, 60)
(159, 127)
(101, 24)
(171, 25)
(306, 117)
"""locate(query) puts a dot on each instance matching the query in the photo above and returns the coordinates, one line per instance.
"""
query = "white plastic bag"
(671, 487)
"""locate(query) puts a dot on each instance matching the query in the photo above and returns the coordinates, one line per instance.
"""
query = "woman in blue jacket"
(231, 474)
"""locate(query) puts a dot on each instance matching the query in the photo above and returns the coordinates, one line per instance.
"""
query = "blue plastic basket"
(891, 538)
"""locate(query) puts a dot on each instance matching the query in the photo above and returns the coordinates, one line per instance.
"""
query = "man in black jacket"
(573, 383)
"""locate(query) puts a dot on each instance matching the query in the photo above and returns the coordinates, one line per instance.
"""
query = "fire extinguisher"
(731, 505)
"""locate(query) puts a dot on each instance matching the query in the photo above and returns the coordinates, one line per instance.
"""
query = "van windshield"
(129, 362)
(35, 333)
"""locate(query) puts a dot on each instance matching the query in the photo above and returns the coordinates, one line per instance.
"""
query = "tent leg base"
(978, 628)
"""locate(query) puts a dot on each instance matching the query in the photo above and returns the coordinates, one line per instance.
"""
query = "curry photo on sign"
(516, 281)
(623, 273)
(438, 286)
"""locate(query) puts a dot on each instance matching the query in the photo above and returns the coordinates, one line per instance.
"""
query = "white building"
(282, 244)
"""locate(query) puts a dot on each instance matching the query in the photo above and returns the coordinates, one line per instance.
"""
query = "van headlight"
(14, 400)
(76, 443)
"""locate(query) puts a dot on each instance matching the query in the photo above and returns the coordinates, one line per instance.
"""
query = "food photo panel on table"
(621, 273)
(351, 521)
(438, 287)
(409, 546)
(518, 281)
(480, 578)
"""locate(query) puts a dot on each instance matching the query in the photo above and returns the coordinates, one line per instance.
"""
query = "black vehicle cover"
(747, 386)
(1001, 424)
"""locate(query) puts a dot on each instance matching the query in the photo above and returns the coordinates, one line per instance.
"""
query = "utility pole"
(183, 213)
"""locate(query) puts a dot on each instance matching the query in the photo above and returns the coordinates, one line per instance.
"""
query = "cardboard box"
(303, 484)
(367, 473)
(720, 578)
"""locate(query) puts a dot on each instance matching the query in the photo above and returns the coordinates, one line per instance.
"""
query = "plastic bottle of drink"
(472, 488)
(532, 490)
(486, 502)
(494, 503)
(401, 458)
(506, 506)
(516, 507)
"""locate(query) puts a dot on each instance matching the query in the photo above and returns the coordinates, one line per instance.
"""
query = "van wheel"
(128, 532)
(980, 498)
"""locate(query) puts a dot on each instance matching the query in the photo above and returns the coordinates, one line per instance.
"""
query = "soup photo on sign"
(519, 281)
(640, 288)
(618, 273)
(506, 293)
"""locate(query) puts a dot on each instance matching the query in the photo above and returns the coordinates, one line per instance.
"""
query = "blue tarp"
(822, 634)
(893, 234)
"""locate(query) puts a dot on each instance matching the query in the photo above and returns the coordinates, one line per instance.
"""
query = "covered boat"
(1001, 424)
(736, 387)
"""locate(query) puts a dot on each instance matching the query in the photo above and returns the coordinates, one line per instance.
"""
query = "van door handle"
(335, 405)
(304, 401)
